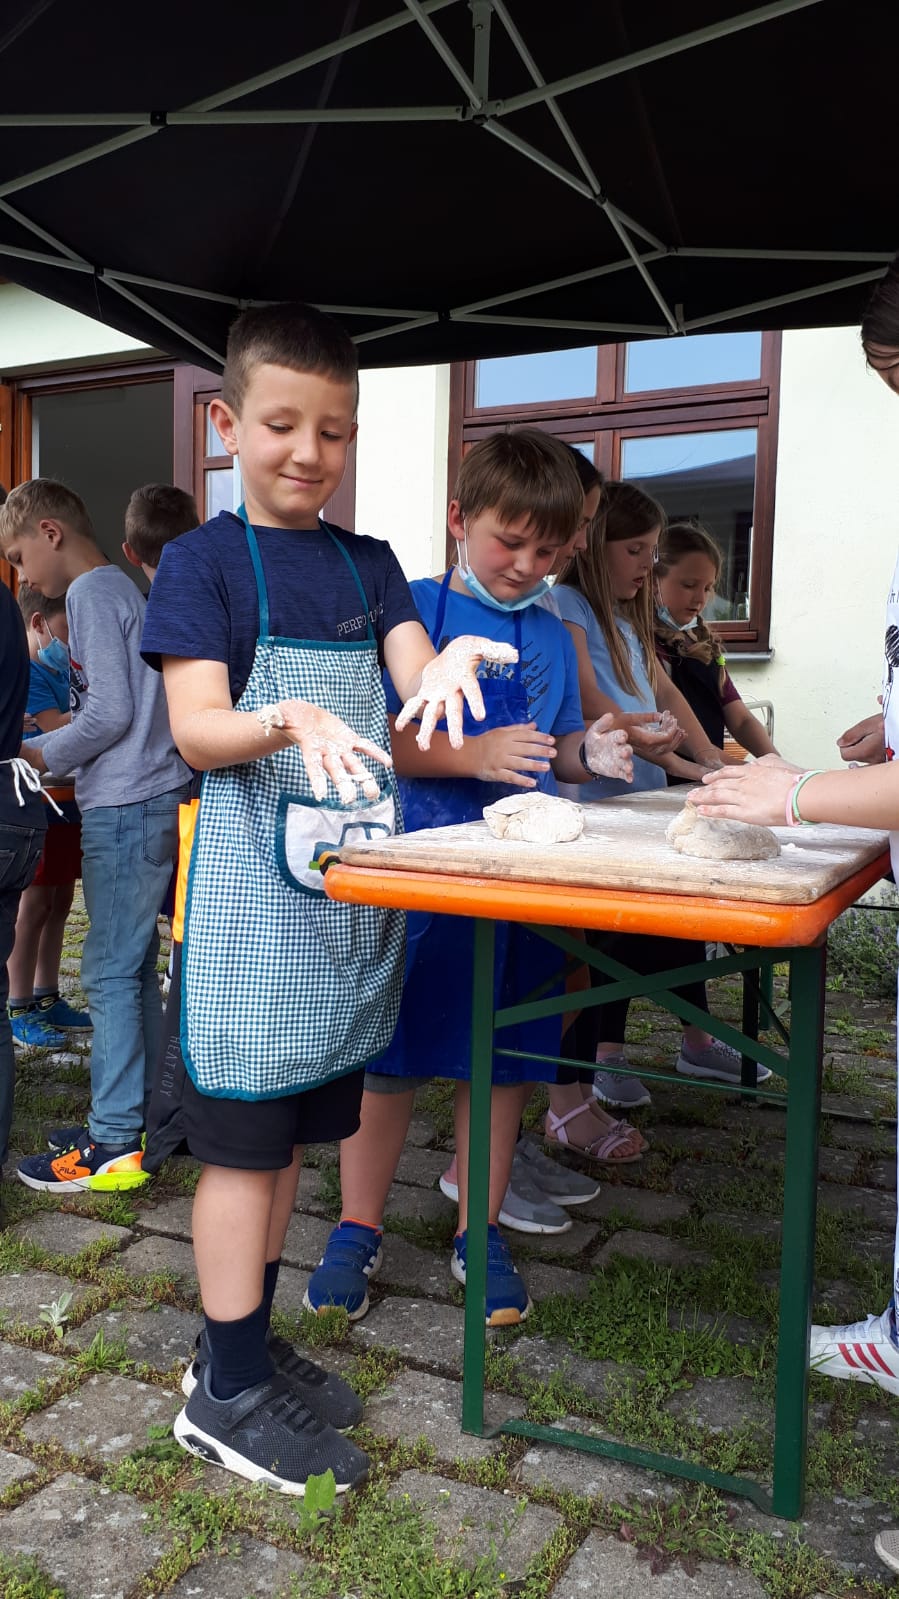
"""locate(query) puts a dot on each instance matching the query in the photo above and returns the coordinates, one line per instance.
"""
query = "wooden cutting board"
(623, 846)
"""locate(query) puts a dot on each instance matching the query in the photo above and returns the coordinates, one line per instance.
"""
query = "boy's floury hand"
(444, 682)
(607, 750)
(328, 748)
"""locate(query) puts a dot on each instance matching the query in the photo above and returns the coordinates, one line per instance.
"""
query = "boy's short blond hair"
(32, 602)
(156, 514)
(293, 335)
(525, 473)
(41, 498)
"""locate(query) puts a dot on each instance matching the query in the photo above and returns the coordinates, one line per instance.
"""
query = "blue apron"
(433, 1034)
(282, 989)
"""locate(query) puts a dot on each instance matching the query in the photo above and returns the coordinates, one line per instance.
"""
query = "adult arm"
(866, 797)
(864, 741)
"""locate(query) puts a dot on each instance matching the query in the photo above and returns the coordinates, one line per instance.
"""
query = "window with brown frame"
(692, 420)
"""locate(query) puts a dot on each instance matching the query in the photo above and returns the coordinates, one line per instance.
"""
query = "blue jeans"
(20, 851)
(127, 857)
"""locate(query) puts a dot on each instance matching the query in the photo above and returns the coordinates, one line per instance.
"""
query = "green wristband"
(795, 797)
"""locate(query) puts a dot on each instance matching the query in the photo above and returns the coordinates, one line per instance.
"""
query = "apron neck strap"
(259, 575)
(441, 612)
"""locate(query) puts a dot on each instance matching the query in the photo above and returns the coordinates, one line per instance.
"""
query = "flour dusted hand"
(712, 839)
(444, 682)
(607, 750)
(329, 749)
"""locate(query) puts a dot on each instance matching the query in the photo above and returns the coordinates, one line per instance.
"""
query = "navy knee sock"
(239, 1356)
(269, 1284)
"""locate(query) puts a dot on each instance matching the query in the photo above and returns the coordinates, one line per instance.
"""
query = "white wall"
(38, 334)
(836, 532)
(401, 463)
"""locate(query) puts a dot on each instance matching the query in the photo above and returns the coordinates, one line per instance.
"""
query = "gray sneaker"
(525, 1208)
(610, 1089)
(560, 1183)
(887, 1547)
(716, 1060)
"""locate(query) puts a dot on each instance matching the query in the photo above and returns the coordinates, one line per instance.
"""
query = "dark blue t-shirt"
(14, 679)
(203, 604)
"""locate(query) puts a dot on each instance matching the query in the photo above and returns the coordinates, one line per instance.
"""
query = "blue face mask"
(55, 655)
(664, 615)
(476, 587)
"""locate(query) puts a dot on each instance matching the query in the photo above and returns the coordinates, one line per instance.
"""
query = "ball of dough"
(535, 819)
(713, 839)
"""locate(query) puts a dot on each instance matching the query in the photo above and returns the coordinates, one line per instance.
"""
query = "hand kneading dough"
(535, 819)
(717, 840)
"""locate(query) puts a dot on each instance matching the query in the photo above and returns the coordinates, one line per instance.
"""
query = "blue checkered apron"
(282, 989)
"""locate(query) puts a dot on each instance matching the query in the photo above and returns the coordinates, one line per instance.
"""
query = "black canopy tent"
(450, 177)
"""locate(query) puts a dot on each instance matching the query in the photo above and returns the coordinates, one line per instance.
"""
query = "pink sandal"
(609, 1146)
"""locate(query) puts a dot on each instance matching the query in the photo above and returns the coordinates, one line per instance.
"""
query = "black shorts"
(260, 1134)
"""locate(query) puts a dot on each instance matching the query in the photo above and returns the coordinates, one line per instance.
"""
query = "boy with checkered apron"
(272, 629)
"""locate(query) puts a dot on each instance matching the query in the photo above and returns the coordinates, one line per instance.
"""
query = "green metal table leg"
(750, 1027)
(798, 1243)
(766, 984)
(478, 1178)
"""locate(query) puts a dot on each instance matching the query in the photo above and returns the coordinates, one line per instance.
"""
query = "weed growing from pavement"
(24, 1579)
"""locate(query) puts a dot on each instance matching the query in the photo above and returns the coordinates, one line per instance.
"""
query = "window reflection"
(533, 379)
(686, 363)
(219, 491)
(709, 477)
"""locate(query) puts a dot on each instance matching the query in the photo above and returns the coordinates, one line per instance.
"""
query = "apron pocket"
(306, 829)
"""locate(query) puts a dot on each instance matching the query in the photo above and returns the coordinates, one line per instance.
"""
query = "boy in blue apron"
(272, 630)
(518, 501)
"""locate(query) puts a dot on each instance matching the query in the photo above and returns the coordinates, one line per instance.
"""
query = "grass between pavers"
(626, 1316)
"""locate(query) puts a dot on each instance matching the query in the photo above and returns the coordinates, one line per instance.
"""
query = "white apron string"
(24, 772)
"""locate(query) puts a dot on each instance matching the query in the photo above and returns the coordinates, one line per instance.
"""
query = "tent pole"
(783, 299)
(641, 58)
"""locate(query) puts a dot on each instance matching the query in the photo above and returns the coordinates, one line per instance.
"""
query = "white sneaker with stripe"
(860, 1351)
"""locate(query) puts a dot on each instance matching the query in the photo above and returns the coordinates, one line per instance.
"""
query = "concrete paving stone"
(472, 1522)
(875, 1205)
(22, 1369)
(637, 1204)
(746, 1225)
(62, 1234)
(577, 1241)
(418, 1405)
(422, 1167)
(704, 1141)
(292, 1285)
(837, 1165)
(614, 1569)
(721, 1404)
(875, 1244)
(650, 1246)
(429, 1333)
(423, 1131)
(704, 1178)
(735, 1329)
(161, 1337)
(23, 1294)
(105, 1419)
(832, 1301)
(248, 1570)
(13, 1468)
(159, 1253)
(415, 1270)
(862, 1135)
(544, 1279)
(593, 1477)
(842, 1530)
(881, 1174)
(308, 1187)
(545, 1358)
(417, 1204)
(306, 1238)
(171, 1216)
(93, 1543)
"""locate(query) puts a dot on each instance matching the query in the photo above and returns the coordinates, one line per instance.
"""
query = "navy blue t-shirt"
(15, 673)
(203, 604)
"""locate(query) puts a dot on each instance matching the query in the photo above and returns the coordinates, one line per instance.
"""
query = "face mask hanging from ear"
(55, 655)
(664, 615)
(476, 588)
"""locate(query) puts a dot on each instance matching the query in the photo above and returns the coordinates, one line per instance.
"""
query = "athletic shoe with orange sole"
(85, 1165)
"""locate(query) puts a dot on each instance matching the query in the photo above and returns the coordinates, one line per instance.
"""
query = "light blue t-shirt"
(573, 607)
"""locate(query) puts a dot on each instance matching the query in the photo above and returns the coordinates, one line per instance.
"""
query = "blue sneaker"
(507, 1297)
(85, 1166)
(59, 1013)
(352, 1255)
(30, 1031)
(61, 1138)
